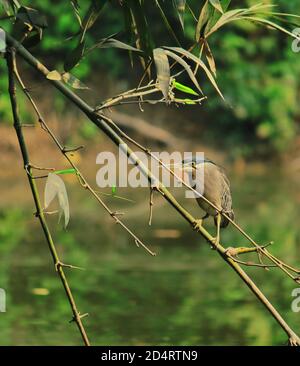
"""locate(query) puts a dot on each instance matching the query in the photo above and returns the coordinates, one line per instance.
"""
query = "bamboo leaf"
(184, 88)
(189, 101)
(270, 24)
(202, 21)
(180, 7)
(74, 57)
(162, 70)
(143, 34)
(216, 4)
(184, 65)
(210, 58)
(215, 15)
(227, 17)
(200, 63)
(114, 43)
(55, 186)
(166, 21)
(91, 16)
(65, 171)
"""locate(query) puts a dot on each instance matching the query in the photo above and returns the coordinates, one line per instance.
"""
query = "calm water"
(185, 296)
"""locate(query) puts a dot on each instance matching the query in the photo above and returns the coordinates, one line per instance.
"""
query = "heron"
(215, 190)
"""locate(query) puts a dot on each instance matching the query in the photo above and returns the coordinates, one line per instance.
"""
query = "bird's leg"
(197, 224)
(216, 240)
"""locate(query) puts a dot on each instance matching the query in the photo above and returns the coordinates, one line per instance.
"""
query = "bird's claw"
(215, 242)
(197, 225)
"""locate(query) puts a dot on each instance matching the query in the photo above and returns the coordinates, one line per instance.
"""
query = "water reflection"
(185, 295)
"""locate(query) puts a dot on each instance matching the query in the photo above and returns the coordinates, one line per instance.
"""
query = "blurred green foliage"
(259, 75)
(256, 68)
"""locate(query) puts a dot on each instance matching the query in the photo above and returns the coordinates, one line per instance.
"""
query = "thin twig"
(11, 66)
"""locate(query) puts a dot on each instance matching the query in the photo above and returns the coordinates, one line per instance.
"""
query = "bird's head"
(189, 164)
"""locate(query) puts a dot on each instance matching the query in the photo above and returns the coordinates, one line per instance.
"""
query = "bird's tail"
(224, 220)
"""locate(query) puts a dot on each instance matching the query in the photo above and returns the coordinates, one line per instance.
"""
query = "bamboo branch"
(10, 57)
(111, 133)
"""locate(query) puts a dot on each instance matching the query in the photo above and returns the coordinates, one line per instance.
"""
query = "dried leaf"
(55, 186)
(184, 65)
(162, 70)
(216, 4)
(200, 63)
(202, 21)
(180, 6)
(210, 58)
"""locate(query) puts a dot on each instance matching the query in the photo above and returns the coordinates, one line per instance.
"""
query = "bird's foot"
(197, 225)
(215, 242)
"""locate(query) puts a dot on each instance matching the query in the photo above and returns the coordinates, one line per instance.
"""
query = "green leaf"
(162, 70)
(184, 88)
(66, 171)
(54, 75)
(55, 186)
(74, 57)
(114, 43)
(72, 81)
(189, 101)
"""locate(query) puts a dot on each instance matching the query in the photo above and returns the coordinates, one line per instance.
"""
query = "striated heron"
(216, 189)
